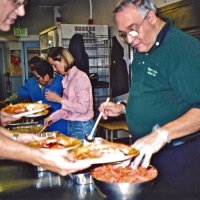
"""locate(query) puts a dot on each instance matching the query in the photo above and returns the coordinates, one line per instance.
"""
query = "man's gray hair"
(143, 6)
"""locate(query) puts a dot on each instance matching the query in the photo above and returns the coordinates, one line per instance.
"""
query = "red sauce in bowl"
(111, 173)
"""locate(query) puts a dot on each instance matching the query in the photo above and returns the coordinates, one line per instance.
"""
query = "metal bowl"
(81, 178)
(121, 190)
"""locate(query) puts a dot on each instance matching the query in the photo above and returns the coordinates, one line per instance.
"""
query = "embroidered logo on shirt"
(151, 72)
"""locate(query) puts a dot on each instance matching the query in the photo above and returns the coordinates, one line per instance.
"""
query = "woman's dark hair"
(59, 53)
(43, 67)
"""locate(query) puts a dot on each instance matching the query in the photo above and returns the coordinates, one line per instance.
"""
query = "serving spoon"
(43, 129)
(91, 136)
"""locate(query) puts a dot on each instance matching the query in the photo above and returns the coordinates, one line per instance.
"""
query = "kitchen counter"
(20, 181)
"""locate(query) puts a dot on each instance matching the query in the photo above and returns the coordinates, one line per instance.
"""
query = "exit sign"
(20, 31)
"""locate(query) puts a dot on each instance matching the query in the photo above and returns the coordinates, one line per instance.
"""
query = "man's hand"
(111, 109)
(61, 162)
(149, 145)
(7, 118)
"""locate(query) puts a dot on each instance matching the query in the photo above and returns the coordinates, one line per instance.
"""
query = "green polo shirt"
(165, 81)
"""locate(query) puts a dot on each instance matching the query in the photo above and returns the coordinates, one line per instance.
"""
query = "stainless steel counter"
(20, 181)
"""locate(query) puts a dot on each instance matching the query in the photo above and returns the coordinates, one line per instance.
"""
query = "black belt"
(185, 139)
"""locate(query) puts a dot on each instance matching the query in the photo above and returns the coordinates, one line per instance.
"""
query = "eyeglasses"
(38, 78)
(133, 29)
(18, 3)
(57, 59)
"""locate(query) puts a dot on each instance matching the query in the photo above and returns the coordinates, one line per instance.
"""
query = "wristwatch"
(123, 103)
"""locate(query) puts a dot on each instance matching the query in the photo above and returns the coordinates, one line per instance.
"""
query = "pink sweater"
(77, 103)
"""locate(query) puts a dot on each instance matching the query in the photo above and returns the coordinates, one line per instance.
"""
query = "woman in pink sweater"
(77, 100)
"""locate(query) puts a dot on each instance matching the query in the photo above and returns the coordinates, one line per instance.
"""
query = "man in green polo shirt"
(164, 100)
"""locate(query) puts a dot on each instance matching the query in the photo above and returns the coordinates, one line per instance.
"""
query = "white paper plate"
(107, 159)
(39, 114)
(31, 108)
(28, 113)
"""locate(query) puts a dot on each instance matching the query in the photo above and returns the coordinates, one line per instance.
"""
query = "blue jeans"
(79, 129)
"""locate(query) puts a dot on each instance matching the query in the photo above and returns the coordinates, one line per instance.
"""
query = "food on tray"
(118, 174)
(104, 149)
(20, 108)
(60, 142)
(15, 109)
(27, 129)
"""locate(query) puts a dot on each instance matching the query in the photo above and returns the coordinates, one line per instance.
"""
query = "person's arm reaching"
(60, 162)
(185, 125)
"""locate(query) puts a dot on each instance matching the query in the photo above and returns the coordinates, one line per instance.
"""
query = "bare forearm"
(12, 150)
(5, 132)
(187, 124)
(62, 163)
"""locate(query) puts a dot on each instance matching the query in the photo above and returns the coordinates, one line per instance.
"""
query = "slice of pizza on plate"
(103, 152)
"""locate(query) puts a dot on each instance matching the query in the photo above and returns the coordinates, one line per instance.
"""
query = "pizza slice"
(104, 152)
(28, 108)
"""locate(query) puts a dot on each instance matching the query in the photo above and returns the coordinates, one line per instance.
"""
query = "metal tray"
(26, 128)
(81, 178)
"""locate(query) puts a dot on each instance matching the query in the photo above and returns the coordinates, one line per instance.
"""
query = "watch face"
(123, 103)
